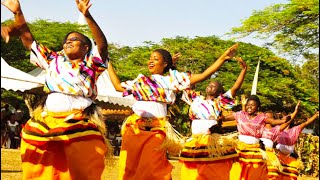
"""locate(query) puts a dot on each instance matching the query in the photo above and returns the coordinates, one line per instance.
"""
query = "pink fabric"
(289, 137)
(272, 133)
(250, 127)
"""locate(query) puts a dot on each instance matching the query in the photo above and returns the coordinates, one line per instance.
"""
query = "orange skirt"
(142, 154)
(53, 147)
(251, 165)
(219, 169)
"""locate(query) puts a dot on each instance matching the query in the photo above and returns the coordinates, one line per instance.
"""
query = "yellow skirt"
(56, 147)
(251, 165)
(144, 146)
(290, 167)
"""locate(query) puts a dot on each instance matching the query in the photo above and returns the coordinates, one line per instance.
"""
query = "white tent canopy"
(106, 90)
(17, 80)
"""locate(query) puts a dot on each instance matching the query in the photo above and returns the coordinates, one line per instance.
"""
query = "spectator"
(6, 111)
(13, 131)
(18, 114)
(4, 134)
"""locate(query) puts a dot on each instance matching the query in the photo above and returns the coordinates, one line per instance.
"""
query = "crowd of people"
(12, 121)
(66, 137)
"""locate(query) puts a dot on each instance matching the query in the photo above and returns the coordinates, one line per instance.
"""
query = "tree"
(293, 27)
(280, 83)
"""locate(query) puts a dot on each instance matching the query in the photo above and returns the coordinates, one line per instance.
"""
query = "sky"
(132, 22)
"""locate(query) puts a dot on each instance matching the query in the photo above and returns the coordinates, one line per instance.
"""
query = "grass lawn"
(11, 167)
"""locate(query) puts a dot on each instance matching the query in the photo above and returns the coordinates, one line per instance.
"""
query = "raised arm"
(284, 119)
(241, 76)
(114, 78)
(243, 102)
(295, 112)
(20, 27)
(286, 124)
(228, 54)
(100, 39)
(176, 57)
(310, 120)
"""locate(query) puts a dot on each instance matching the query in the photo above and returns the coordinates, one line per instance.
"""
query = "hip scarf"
(251, 153)
(252, 163)
(209, 147)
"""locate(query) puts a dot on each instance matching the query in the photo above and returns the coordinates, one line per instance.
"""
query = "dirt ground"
(11, 167)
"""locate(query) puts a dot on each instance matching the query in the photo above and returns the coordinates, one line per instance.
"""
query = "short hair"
(254, 98)
(87, 40)
(220, 90)
(167, 58)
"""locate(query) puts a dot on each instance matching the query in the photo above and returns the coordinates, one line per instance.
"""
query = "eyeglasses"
(74, 39)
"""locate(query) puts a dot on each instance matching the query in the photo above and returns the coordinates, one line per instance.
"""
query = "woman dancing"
(147, 135)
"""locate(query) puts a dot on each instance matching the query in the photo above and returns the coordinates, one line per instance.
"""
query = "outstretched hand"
(297, 106)
(12, 5)
(241, 62)
(5, 31)
(243, 100)
(230, 52)
(176, 57)
(83, 6)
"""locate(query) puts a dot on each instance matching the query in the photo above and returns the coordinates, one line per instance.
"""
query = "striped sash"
(65, 127)
(209, 147)
(250, 153)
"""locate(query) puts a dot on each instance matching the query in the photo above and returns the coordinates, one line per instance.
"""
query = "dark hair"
(87, 41)
(254, 98)
(292, 124)
(167, 58)
(221, 89)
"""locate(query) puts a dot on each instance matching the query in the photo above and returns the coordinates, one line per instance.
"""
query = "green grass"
(11, 167)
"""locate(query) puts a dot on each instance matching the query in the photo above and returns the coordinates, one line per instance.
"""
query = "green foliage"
(308, 150)
(280, 84)
(294, 27)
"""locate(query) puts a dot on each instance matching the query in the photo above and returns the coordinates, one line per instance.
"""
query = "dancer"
(147, 135)
(65, 138)
(268, 137)
(208, 154)
(250, 124)
(286, 142)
